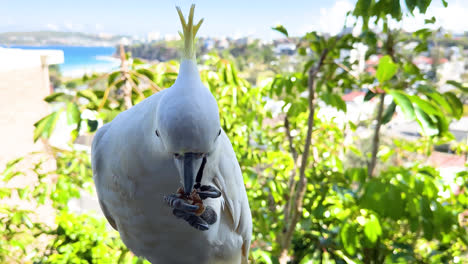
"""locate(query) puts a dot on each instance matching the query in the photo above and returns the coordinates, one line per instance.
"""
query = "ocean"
(83, 60)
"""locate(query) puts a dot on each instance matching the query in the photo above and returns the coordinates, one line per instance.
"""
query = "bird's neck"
(189, 77)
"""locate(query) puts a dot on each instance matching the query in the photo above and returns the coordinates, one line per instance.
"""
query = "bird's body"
(133, 171)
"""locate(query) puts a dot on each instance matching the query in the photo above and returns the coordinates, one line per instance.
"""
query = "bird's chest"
(148, 227)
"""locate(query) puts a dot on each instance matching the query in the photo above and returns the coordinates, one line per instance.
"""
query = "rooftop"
(14, 59)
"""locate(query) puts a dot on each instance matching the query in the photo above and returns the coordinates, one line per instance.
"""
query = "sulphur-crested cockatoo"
(146, 153)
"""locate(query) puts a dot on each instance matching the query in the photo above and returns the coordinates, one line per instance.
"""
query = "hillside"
(41, 38)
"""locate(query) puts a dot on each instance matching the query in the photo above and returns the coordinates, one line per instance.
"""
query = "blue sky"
(222, 18)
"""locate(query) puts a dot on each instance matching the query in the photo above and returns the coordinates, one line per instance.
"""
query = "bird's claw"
(207, 191)
(193, 220)
(199, 219)
(178, 203)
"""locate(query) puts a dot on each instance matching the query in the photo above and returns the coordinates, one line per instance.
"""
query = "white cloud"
(53, 27)
(332, 19)
(73, 27)
(452, 18)
(99, 27)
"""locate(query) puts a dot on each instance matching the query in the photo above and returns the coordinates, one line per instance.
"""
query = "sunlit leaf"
(281, 29)
(458, 85)
(88, 94)
(73, 114)
(386, 69)
(112, 77)
(53, 97)
(45, 126)
(404, 103)
(457, 106)
(372, 228)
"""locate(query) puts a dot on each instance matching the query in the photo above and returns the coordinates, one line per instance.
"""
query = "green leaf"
(430, 21)
(404, 103)
(334, 100)
(386, 70)
(53, 97)
(426, 106)
(46, 125)
(27, 221)
(444, 2)
(234, 75)
(281, 29)
(73, 114)
(137, 62)
(302, 51)
(112, 77)
(423, 5)
(146, 73)
(363, 9)
(440, 101)
(262, 255)
(369, 95)
(427, 123)
(410, 4)
(372, 228)
(23, 192)
(458, 85)
(348, 236)
(92, 125)
(88, 94)
(457, 106)
(411, 68)
(388, 114)
(5, 192)
(9, 171)
(308, 65)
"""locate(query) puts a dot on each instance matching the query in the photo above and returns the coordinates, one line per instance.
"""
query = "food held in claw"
(193, 199)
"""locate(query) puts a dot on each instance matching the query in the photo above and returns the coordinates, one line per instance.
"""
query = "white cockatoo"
(169, 140)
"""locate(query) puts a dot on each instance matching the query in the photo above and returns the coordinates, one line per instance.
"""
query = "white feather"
(133, 170)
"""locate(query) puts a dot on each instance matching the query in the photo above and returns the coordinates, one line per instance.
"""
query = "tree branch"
(302, 184)
(291, 183)
(376, 138)
(389, 47)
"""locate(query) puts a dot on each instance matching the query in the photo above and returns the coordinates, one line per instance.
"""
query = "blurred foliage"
(55, 76)
(400, 210)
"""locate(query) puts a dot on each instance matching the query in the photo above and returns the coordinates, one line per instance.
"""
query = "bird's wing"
(96, 158)
(232, 187)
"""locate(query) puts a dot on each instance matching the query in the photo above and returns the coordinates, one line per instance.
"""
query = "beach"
(80, 60)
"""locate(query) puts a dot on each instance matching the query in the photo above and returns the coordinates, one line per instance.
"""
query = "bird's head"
(187, 119)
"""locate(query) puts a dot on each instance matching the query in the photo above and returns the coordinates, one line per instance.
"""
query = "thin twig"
(346, 69)
(376, 138)
(302, 184)
(152, 84)
(106, 94)
(291, 183)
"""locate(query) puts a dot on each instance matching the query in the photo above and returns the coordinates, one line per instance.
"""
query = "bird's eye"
(219, 132)
(177, 155)
(157, 132)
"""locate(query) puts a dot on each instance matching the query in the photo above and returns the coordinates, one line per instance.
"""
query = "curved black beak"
(188, 165)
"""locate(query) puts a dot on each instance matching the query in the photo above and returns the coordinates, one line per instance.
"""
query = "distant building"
(209, 44)
(285, 49)
(222, 43)
(24, 82)
(153, 36)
